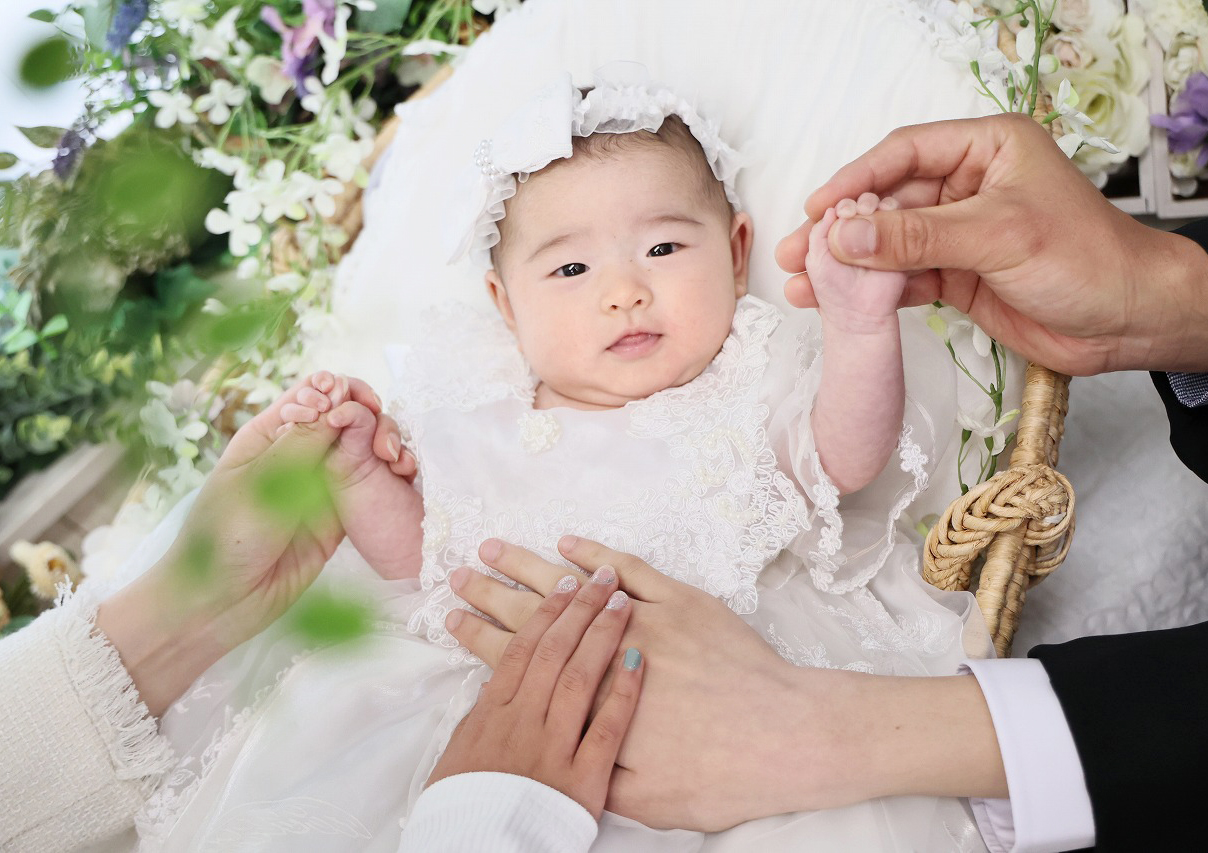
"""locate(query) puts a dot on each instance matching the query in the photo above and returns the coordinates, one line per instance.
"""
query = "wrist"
(163, 645)
(1168, 325)
(853, 323)
(876, 736)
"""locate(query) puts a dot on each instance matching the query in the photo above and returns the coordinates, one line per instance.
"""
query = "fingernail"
(377, 400)
(454, 619)
(459, 577)
(856, 237)
(616, 601)
(567, 543)
(567, 584)
(633, 659)
(604, 575)
(491, 549)
(392, 448)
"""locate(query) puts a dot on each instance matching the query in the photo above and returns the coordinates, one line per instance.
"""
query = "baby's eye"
(568, 270)
(662, 249)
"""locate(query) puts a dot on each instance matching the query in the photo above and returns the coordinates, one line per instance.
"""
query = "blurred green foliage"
(47, 63)
(293, 491)
(325, 618)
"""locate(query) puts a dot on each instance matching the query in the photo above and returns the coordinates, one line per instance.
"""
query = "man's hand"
(997, 222)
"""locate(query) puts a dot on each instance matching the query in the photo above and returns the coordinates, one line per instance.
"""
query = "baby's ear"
(742, 234)
(499, 296)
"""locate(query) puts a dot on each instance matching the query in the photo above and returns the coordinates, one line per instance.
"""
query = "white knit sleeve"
(471, 812)
(79, 752)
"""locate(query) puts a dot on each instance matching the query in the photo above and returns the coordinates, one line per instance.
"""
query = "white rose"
(1087, 15)
(1132, 57)
(1071, 49)
(1167, 18)
(1181, 62)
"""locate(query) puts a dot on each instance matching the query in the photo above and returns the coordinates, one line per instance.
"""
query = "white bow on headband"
(623, 100)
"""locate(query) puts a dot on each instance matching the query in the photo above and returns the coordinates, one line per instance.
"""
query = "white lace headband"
(623, 100)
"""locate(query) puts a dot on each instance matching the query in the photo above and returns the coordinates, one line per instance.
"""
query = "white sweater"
(80, 753)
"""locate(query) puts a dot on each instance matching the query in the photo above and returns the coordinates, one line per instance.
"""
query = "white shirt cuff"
(472, 812)
(1049, 808)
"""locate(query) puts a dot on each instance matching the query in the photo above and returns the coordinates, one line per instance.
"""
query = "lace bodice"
(685, 479)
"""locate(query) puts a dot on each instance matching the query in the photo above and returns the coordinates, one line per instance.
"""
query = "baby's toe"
(867, 203)
(314, 399)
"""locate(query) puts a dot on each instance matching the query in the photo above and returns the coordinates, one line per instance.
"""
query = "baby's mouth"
(635, 343)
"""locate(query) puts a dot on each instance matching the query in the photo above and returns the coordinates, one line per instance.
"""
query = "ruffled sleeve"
(80, 752)
(850, 539)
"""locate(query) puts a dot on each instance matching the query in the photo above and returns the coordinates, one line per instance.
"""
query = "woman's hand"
(240, 560)
(702, 752)
(530, 717)
(998, 223)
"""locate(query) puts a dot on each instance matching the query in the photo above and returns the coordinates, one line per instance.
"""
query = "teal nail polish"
(633, 659)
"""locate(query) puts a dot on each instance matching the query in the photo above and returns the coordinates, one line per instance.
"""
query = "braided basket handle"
(1022, 518)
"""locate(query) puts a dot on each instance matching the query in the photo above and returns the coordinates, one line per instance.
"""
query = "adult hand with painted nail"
(995, 221)
(810, 738)
(371, 474)
(531, 718)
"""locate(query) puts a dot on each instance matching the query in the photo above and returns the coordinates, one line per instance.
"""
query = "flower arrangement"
(1181, 29)
(124, 312)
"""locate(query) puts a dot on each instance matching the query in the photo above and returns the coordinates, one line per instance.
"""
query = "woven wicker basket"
(1007, 533)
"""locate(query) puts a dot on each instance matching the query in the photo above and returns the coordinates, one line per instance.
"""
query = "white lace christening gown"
(715, 483)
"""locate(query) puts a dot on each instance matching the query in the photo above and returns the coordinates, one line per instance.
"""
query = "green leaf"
(47, 63)
(18, 340)
(44, 15)
(56, 325)
(237, 329)
(96, 22)
(7, 161)
(325, 618)
(43, 136)
(388, 17)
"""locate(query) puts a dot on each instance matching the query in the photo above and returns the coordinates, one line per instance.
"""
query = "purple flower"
(71, 146)
(125, 21)
(299, 44)
(1187, 126)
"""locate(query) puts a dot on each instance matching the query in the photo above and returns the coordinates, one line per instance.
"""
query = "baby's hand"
(849, 294)
(370, 472)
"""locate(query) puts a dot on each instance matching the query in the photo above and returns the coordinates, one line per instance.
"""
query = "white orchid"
(289, 282)
(244, 235)
(266, 74)
(228, 164)
(217, 102)
(1076, 123)
(334, 46)
(956, 328)
(215, 42)
(171, 108)
(498, 7)
(981, 423)
(315, 98)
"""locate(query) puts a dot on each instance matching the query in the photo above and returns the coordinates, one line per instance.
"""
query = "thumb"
(949, 236)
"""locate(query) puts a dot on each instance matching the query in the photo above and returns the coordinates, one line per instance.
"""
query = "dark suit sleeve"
(1137, 704)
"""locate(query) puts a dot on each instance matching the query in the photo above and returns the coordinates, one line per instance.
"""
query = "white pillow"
(799, 87)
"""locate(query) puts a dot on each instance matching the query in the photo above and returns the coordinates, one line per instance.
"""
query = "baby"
(627, 390)
(618, 271)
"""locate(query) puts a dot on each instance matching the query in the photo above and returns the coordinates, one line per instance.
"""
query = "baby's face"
(617, 277)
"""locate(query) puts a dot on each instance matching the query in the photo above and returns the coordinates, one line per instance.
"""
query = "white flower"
(324, 195)
(982, 424)
(1087, 15)
(499, 7)
(171, 107)
(1121, 121)
(1167, 19)
(1049, 64)
(334, 46)
(432, 47)
(341, 156)
(315, 98)
(249, 267)
(217, 102)
(956, 328)
(161, 429)
(539, 431)
(265, 74)
(1071, 50)
(289, 282)
(213, 306)
(1025, 44)
(212, 158)
(47, 566)
(215, 43)
(183, 14)
(244, 235)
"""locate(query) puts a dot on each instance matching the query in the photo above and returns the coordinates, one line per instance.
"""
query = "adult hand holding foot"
(995, 221)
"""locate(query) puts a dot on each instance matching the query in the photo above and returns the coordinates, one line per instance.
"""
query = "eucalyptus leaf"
(44, 15)
(56, 325)
(47, 63)
(7, 161)
(43, 136)
(388, 17)
(18, 340)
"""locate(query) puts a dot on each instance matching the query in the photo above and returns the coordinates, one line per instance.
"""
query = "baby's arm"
(857, 415)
